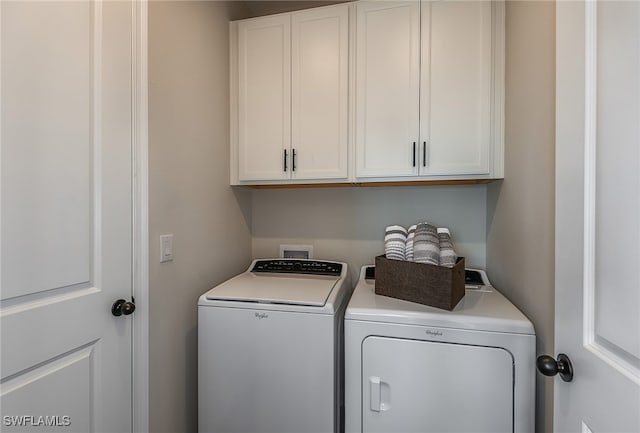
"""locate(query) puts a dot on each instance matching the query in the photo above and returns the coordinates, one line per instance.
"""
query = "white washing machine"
(270, 349)
(414, 368)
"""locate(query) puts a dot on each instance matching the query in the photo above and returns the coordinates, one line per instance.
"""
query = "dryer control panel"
(304, 267)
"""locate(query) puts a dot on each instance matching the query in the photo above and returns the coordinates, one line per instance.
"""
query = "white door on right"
(597, 214)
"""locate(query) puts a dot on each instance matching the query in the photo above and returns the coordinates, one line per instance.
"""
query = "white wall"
(348, 223)
(189, 194)
(521, 209)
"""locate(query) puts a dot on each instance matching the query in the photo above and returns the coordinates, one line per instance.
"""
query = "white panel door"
(319, 78)
(456, 87)
(597, 214)
(66, 211)
(387, 88)
(412, 386)
(264, 98)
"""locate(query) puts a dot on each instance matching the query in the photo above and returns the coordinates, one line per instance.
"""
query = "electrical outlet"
(296, 251)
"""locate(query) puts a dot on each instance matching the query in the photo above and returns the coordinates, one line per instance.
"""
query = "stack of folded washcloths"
(421, 243)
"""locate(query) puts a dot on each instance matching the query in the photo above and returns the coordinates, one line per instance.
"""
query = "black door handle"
(550, 367)
(414, 153)
(285, 159)
(424, 153)
(122, 307)
(293, 160)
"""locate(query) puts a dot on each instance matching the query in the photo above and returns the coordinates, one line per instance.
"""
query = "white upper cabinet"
(369, 91)
(292, 96)
(429, 89)
(320, 78)
(264, 97)
(387, 88)
(455, 90)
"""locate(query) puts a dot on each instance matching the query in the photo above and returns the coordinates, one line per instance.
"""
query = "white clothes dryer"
(270, 349)
(414, 368)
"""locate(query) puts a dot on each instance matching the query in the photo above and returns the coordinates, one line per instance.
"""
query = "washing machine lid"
(482, 310)
(284, 282)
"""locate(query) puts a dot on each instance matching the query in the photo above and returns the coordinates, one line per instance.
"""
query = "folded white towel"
(447, 254)
(408, 251)
(395, 239)
(426, 244)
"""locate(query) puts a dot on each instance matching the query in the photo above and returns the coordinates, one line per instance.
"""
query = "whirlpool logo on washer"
(261, 316)
(433, 332)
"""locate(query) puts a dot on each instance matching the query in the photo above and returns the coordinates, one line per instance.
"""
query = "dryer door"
(425, 386)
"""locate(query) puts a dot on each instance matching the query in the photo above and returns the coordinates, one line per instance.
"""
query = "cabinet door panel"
(456, 77)
(387, 87)
(319, 92)
(264, 97)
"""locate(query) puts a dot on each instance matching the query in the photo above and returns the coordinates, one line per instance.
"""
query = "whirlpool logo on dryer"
(261, 316)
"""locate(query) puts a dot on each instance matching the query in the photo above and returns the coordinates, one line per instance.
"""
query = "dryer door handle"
(379, 394)
(374, 393)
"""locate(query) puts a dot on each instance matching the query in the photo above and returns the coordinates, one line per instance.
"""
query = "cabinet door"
(422, 386)
(456, 87)
(264, 97)
(319, 79)
(387, 88)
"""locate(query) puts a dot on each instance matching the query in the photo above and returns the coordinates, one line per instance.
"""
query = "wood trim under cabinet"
(373, 184)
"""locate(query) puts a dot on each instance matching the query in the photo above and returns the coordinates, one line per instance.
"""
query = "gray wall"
(521, 209)
(189, 194)
(516, 244)
(268, 7)
(506, 226)
(348, 223)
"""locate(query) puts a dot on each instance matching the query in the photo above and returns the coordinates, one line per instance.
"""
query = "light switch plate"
(166, 248)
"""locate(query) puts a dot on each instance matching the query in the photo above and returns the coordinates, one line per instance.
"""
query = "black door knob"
(550, 367)
(123, 307)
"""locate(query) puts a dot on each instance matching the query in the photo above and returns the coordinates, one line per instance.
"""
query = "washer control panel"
(305, 267)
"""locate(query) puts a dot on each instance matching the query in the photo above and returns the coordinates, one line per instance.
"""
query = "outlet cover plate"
(292, 251)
